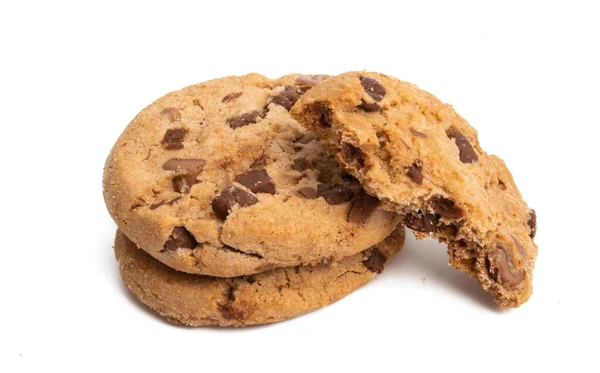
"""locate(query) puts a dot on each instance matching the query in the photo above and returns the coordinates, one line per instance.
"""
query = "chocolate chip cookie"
(266, 297)
(218, 179)
(423, 161)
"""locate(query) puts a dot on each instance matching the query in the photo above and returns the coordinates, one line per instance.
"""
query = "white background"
(524, 74)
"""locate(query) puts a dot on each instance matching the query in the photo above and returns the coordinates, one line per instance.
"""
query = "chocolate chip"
(288, 97)
(323, 113)
(447, 230)
(258, 181)
(351, 153)
(260, 162)
(180, 237)
(226, 308)
(362, 208)
(231, 313)
(301, 164)
(184, 165)
(173, 138)
(373, 88)
(188, 171)
(334, 194)
(445, 208)
(231, 97)
(467, 152)
(308, 192)
(417, 133)
(532, 223)
(415, 171)
(168, 203)
(245, 119)
(233, 196)
(421, 222)
(183, 183)
(369, 107)
(305, 139)
(376, 261)
(171, 113)
(500, 268)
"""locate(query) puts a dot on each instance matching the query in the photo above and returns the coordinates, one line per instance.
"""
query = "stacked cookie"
(256, 200)
(230, 213)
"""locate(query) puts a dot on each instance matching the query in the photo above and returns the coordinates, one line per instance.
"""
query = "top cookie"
(218, 179)
(424, 162)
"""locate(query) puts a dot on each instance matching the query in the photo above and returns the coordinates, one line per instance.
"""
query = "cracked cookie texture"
(266, 297)
(218, 179)
(424, 162)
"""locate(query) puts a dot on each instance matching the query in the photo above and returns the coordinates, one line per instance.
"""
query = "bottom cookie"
(262, 298)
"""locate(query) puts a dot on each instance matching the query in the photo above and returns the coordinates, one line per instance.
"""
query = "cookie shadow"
(427, 261)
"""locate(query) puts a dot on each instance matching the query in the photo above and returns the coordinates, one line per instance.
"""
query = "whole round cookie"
(424, 162)
(218, 179)
(266, 297)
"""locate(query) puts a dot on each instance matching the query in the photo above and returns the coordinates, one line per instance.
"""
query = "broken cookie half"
(424, 162)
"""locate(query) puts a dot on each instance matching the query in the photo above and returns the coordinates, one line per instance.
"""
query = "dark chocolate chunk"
(184, 165)
(258, 181)
(301, 164)
(231, 313)
(369, 107)
(171, 113)
(373, 88)
(180, 237)
(323, 113)
(447, 230)
(335, 194)
(245, 119)
(288, 97)
(187, 170)
(376, 261)
(231, 97)
(260, 162)
(421, 222)
(417, 133)
(467, 152)
(173, 139)
(415, 171)
(183, 183)
(308, 192)
(500, 268)
(532, 223)
(168, 203)
(445, 208)
(226, 308)
(233, 196)
(362, 208)
(351, 153)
